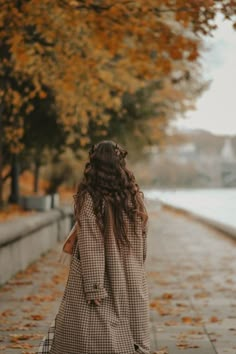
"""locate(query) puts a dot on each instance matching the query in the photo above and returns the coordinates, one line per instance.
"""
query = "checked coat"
(120, 325)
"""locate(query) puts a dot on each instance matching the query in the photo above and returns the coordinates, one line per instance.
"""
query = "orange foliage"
(90, 52)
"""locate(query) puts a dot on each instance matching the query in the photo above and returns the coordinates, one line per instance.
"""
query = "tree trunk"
(14, 196)
(1, 160)
(36, 176)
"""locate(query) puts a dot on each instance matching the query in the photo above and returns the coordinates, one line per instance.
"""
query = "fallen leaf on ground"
(20, 346)
(201, 294)
(171, 323)
(214, 319)
(7, 313)
(19, 337)
(37, 317)
(161, 351)
(20, 282)
(191, 319)
(167, 296)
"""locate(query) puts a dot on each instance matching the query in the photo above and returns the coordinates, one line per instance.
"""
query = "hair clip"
(124, 153)
(117, 150)
(91, 150)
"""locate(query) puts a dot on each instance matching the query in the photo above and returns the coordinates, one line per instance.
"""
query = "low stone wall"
(24, 239)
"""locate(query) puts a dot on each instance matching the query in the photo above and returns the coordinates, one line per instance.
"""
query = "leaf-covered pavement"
(192, 288)
(192, 283)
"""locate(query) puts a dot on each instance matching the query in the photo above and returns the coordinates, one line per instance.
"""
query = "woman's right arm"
(91, 251)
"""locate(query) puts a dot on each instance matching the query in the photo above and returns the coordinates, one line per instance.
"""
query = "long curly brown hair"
(108, 180)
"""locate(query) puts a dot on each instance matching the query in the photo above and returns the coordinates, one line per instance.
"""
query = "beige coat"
(120, 325)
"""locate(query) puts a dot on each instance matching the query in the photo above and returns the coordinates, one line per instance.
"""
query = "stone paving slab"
(192, 289)
(192, 282)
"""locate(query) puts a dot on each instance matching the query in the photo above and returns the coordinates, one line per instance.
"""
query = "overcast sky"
(216, 108)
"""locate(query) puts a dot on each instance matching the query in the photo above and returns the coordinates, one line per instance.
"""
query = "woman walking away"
(105, 305)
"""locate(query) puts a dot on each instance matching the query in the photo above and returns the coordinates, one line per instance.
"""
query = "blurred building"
(201, 161)
(228, 164)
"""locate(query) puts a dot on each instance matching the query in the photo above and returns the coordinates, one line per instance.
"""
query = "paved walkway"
(192, 284)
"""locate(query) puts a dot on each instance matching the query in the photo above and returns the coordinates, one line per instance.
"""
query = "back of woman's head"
(107, 179)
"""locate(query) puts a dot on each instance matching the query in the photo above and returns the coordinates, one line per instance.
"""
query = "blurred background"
(160, 84)
(158, 77)
(76, 72)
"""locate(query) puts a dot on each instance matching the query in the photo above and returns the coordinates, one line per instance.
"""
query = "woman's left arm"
(91, 251)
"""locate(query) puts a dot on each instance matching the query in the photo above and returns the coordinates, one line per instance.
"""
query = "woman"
(105, 306)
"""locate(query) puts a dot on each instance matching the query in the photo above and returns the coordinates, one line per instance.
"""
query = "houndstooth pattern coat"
(120, 325)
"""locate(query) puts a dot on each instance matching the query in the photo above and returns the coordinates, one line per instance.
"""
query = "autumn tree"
(91, 53)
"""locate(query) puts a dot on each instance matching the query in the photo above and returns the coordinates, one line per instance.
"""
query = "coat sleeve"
(91, 252)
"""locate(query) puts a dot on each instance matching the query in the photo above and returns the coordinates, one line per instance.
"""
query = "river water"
(215, 204)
